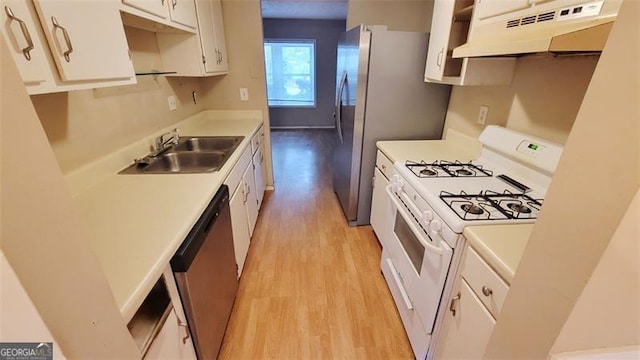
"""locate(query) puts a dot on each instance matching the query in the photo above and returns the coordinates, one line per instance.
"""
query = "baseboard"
(300, 127)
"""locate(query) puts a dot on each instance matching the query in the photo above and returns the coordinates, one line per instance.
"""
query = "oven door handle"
(400, 207)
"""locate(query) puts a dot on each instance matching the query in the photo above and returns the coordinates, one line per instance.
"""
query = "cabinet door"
(183, 12)
(207, 31)
(240, 226)
(24, 38)
(155, 7)
(257, 173)
(86, 39)
(467, 331)
(439, 38)
(169, 344)
(251, 200)
(222, 65)
(381, 207)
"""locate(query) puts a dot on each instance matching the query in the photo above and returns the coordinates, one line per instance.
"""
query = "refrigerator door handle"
(338, 113)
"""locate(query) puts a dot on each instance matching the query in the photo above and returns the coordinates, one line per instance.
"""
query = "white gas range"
(435, 200)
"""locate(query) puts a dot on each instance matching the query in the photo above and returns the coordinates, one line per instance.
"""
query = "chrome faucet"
(166, 140)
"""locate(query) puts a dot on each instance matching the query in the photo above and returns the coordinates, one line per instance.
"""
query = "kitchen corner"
(136, 222)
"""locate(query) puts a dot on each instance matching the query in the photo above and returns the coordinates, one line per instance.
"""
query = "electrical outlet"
(244, 94)
(172, 103)
(482, 115)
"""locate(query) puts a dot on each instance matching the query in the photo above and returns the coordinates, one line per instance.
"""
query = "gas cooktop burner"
(491, 205)
(428, 172)
(472, 209)
(519, 208)
(443, 168)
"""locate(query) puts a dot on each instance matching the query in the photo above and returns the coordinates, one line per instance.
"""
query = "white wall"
(607, 313)
(20, 319)
(542, 100)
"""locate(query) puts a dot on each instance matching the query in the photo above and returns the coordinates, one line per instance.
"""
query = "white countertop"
(501, 246)
(137, 222)
(456, 146)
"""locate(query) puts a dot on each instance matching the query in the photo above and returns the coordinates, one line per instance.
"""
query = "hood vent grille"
(528, 20)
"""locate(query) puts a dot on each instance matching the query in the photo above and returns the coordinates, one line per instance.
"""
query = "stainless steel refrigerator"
(380, 95)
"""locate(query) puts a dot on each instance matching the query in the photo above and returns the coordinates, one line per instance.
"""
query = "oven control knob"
(427, 215)
(435, 226)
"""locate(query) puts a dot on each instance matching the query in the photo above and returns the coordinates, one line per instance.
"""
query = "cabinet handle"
(66, 38)
(174, 3)
(439, 61)
(181, 324)
(452, 306)
(25, 33)
(486, 291)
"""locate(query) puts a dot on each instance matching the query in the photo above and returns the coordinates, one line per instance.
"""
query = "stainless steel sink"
(187, 162)
(208, 143)
(193, 154)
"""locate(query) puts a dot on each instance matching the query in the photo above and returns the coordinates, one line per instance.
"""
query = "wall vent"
(528, 20)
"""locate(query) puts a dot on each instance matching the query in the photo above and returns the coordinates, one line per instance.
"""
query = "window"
(291, 75)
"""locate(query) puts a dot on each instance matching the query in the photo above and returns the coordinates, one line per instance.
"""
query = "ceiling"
(305, 9)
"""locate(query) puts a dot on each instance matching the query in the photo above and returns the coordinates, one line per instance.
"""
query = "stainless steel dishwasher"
(205, 270)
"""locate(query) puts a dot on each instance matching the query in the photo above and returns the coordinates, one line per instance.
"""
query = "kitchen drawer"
(418, 338)
(384, 164)
(489, 287)
(256, 140)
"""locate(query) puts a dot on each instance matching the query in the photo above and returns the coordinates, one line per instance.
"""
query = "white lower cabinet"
(171, 342)
(240, 225)
(382, 210)
(380, 206)
(468, 326)
(472, 310)
(258, 173)
(251, 198)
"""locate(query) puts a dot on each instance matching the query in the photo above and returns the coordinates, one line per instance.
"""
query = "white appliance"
(435, 200)
(380, 95)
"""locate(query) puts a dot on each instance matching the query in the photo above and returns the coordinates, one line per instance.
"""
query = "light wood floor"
(311, 286)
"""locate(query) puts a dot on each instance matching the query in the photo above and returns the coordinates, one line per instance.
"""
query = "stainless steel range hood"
(541, 29)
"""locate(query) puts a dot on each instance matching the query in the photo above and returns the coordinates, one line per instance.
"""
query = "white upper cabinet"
(26, 43)
(62, 45)
(86, 39)
(183, 12)
(450, 28)
(211, 32)
(203, 54)
(161, 15)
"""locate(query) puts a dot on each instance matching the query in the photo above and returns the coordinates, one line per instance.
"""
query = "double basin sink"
(191, 154)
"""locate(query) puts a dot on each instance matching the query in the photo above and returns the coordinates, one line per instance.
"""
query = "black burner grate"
(491, 205)
(443, 168)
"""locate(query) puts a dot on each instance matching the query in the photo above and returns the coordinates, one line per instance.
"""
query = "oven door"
(422, 261)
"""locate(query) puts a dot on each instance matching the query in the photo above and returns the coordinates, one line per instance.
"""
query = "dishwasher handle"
(181, 261)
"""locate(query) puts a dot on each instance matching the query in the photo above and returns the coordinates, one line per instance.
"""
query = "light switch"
(172, 102)
(244, 94)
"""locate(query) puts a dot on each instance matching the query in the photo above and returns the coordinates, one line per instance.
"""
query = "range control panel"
(530, 148)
